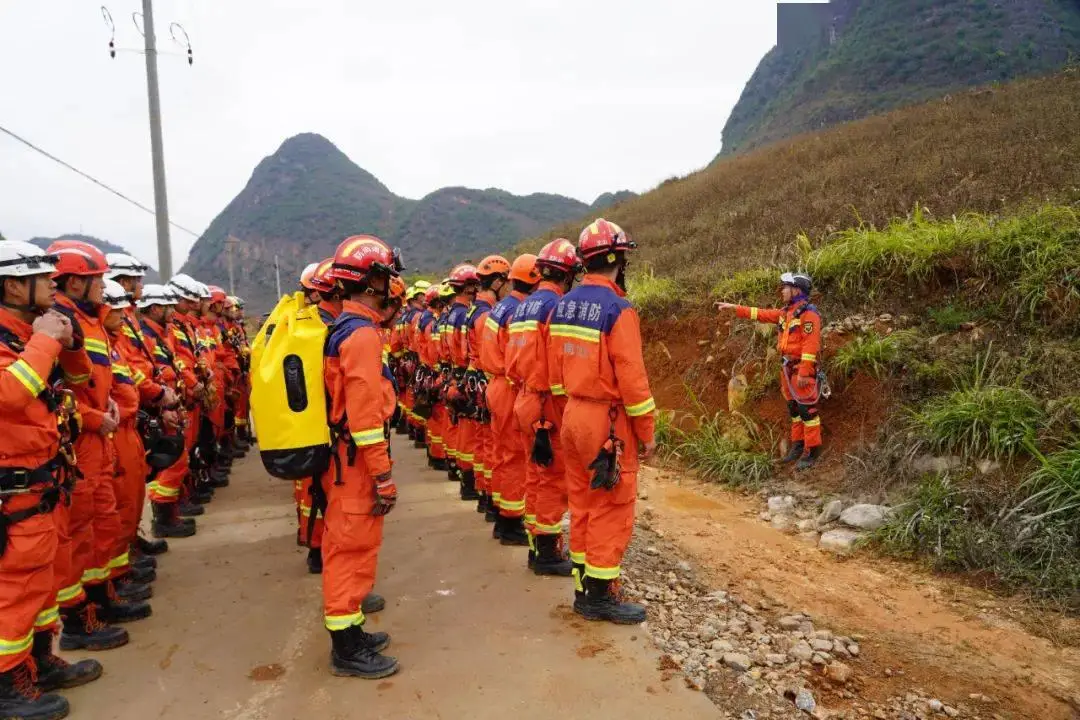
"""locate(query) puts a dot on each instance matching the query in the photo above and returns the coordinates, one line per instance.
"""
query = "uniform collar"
(330, 307)
(87, 310)
(553, 287)
(517, 295)
(798, 300)
(487, 296)
(9, 321)
(153, 325)
(601, 281)
(360, 309)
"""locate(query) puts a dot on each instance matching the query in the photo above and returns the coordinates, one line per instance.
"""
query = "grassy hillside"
(981, 150)
(890, 53)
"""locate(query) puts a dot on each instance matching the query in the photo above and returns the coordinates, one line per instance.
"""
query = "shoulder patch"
(808, 327)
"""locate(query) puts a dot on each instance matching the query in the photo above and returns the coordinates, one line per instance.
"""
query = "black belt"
(17, 480)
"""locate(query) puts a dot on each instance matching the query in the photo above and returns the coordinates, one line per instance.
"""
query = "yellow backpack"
(288, 399)
(287, 302)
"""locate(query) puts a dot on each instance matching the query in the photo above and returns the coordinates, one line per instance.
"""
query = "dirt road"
(237, 633)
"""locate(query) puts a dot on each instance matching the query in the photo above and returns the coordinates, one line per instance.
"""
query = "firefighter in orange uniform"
(596, 357)
(362, 399)
(129, 272)
(321, 288)
(439, 422)
(156, 308)
(130, 390)
(32, 467)
(799, 342)
(410, 359)
(92, 524)
(234, 311)
(462, 433)
(494, 274)
(508, 456)
(539, 408)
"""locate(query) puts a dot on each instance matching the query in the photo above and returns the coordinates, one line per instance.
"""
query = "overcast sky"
(568, 96)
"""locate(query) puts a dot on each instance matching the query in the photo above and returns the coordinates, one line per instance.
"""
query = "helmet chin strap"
(30, 307)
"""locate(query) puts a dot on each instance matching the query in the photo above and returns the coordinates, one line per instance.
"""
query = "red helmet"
(493, 265)
(559, 254)
(75, 257)
(217, 295)
(524, 269)
(431, 295)
(321, 279)
(463, 275)
(360, 256)
(603, 236)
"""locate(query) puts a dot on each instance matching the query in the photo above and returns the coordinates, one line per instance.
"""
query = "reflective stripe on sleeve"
(642, 408)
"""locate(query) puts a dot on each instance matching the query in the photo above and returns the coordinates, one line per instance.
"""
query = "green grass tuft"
(714, 450)
(876, 355)
(981, 422)
(747, 285)
(652, 294)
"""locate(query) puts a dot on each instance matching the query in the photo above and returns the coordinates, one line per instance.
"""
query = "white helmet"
(124, 265)
(204, 291)
(156, 295)
(185, 286)
(21, 259)
(116, 296)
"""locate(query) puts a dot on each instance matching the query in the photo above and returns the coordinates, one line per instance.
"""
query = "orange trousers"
(350, 545)
(92, 510)
(466, 433)
(508, 471)
(436, 429)
(482, 464)
(802, 407)
(306, 515)
(107, 556)
(129, 486)
(545, 491)
(166, 487)
(601, 521)
(27, 585)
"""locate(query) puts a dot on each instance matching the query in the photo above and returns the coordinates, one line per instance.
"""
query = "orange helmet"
(524, 269)
(463, 275)
(75, 257)
(361, 256)
(603, 236)
(397, 288)
(559, 254)
(217, 295)
(307, 274)
(493, 265)
(321, 279)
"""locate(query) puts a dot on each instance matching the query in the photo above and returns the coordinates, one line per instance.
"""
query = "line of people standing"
(104, 388)
(525, 382)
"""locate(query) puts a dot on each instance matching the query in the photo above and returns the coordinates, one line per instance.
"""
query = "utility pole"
(230, 241)
(277, 273)
(161, 203)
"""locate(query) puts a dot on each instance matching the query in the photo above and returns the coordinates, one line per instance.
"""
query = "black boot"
(482, 503)
(468, 485)
(314, 561)
(492, 512)
(412, 433)
(372, 603)
(187, 509)
(603, 603)
(808, 460)
(355, 653)
(452, 471)
(53, 672)
(129, 591)
(497, 528)
(20, 699)
(84, 631)
(439, 464)
(530, 559)
(114, 610)
(219, 477)
(167, 522)
(549, 557)
(794, 452)
(513, 532)
(421, 438)
(143, 562)
(141, 575)
(151, 547)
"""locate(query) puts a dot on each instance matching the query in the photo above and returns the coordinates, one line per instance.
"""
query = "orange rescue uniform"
(508, 455)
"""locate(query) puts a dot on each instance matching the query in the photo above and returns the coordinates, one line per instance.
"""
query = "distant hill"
(608, 199)
(103, 245)
(308, 196)
(848, 59)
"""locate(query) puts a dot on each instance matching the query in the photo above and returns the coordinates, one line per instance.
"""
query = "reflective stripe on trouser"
(601, 521)
(67, 584)
(508, 471)
(165, 488)
(466, 437)
(436, 426)
(93, 460)
(27, 585)
(307, 516)
(545, 493)
(130, 485)
(805, 420)
(351, 540)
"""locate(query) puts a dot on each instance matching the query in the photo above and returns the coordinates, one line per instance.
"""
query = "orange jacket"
(92, 397)
(455, 334)
(160, 344)
(27, 423)
(527, 352)
(123, 389)
(138, 357)
(412, 334)
(426, 336)
(485, 301)
(497, 334)
(596, 352)
(361, 395)
(799, 337)
(185, 345)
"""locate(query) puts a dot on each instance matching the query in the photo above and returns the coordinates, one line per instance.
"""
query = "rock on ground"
(841, 540)
(865, 517)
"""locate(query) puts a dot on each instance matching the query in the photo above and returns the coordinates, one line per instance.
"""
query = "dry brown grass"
(987, 150)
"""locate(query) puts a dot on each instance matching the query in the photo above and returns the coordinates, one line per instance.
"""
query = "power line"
(92, 179)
